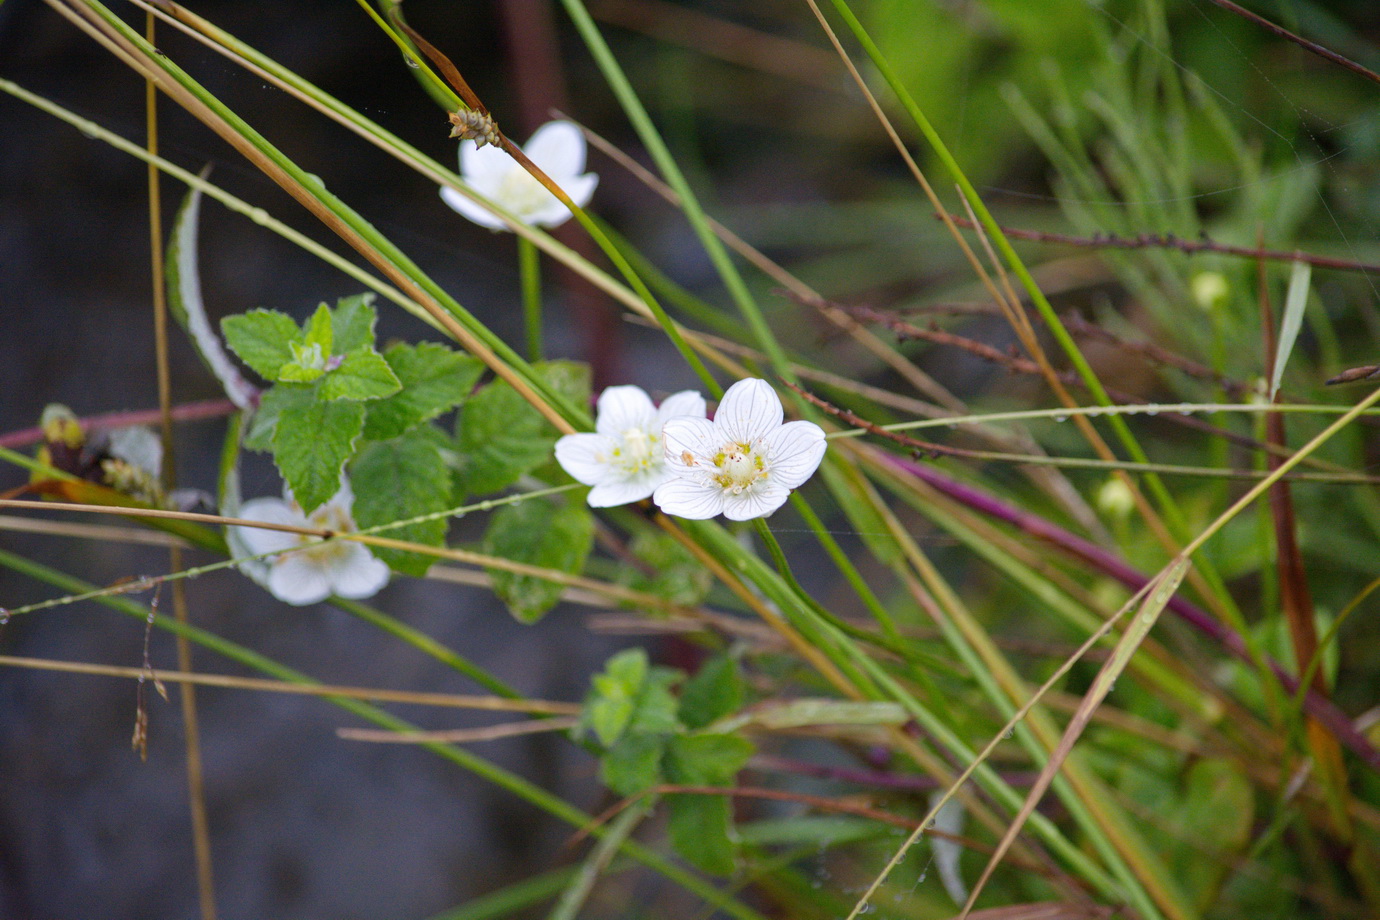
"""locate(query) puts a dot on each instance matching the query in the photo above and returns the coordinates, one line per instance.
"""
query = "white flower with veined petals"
(744, 463)
(557, 148)
(305, 569)
(623, 459)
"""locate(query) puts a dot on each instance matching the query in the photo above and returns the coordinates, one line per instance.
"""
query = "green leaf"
(1218, 805)
(308, 364)
(352, 323)
(311, 443)
(818, 830)
(1295, 302)
(613, 694)
(715, 691)
(185, 301)
(655, 711)
(362, 374)
(701, 830)
(397, 479)
(264, 422)
(535, 533)
(633, 764)
(676, 574)
(700, 825)
(434, 380)
(707, 759)
(263, 339)
(318, 331)
(501, 437)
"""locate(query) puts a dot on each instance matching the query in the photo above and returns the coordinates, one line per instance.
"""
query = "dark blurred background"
(772, 136)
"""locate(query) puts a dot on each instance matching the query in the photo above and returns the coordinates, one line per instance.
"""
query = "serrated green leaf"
(708, 759)
(352, 323)
(655, 711)
(701, 825)
(675, 575)
(715, 691)
(701, 831)
(318, 331)
(362, 374)
(633, 764)
(308, 364)
(271, 405)
(613, 694)
(501, 437)
(536, 533)
(311, 443)
(262, 339)
(402, 478)
(434, 380)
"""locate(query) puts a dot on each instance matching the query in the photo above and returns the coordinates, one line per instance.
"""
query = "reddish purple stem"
(211, 408)
(1315, 704)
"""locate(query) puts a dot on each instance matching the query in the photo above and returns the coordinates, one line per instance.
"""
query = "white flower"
(623, 458)
(744, 463)
(305, 569)
(557, 148)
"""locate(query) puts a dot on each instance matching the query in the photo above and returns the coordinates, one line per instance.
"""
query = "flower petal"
(749, 410)
(298, 580)
(580, 188)
(794, 452)
(686, 402)
(357, 573)
(759, 501)
(616, 491)
(487, 162)
(624, 407)
(271, 511)
(689, 498)
(697, 437)
(550, 215)
(558, 147)
(586, 456)
(471, 209)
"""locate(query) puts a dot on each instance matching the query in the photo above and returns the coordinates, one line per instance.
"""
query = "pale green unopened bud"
(1115, 500)
(1210, 290)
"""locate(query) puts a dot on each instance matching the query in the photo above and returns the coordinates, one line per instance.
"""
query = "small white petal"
(622, 408)
(794, 452)
(759, 501)
(586, 456)
(478, 164)
(550, 215)
(472, 210)
(689, 498)
(298, 580)
(749, 410)
(697, 437)
(558, 149)
(580, 188)
(613, 492)
(271, 511)
(357, 573)
(686, 402)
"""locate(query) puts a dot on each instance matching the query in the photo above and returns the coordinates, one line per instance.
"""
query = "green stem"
(529, 271)
(671, 172)
(1174, 517)
(461, 757)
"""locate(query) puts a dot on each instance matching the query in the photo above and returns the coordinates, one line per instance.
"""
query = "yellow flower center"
(522, 194)
(739, 467)
(636, 451)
